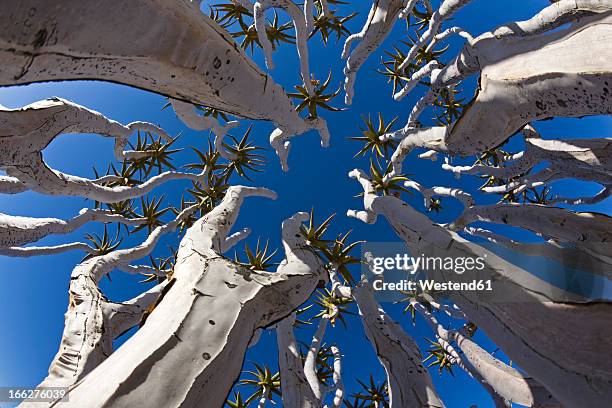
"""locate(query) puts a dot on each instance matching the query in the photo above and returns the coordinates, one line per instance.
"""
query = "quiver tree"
(205, 309)
(197, 59)
(208, 294)
(513, 325)
(525, 74)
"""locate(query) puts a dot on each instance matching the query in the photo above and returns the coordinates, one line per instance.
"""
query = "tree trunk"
(170, 48)
(409, 381)
(557, 340)
(192, 347)
(525, 79)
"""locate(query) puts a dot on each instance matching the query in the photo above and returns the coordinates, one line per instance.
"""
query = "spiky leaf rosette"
(329, 25)
(338, 256)
(162, 267)
(228, 13)
(438, 356)
(102, 245)
(393, 186)
(319, 99)
(245, 156)
(151, 212)
(370, 137)
(333, 306)
(373, 395)
(265, 382)
(238, 402)
(277, 33)
(258, 260)
(313, 234)
(422, 296)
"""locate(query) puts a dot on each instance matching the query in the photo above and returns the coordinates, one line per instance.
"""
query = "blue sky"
(33, 295)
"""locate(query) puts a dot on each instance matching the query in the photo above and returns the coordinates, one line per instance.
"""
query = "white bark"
(15, 231)
(517, 87)
(92, 322)
(26, 252)
(194, 341)
(381, 19)
(296, 391)
(506, 381)
(566, 357)
(195, 60)
(186, 113)
(310, 365)
(465, 198)
(30, 129)
(11, 185)
(558, 223)
(601, 196)
(418, 76)
(409, 382)
(300, 22)
(446, 10)
(337, 378)
(411, 138)
(569, 157)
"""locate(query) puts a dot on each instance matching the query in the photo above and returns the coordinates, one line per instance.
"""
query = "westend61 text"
(431, 285)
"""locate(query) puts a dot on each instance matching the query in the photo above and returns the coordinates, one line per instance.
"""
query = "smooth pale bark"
(92, 322)
(426, 138)
(570, 156)
(170, 48)
(526, 74)
(381, 19)
(524, 79)
(300, 21)
(409, 381)
(549, 333)
(507, 382)
(192, 347)
(589, 232)
(296, 391)
(26, 252)
(15, 230)
(27, 131)
(310, 364)
(557, 223)
(11, 185)
(186, 112)
(446, 10)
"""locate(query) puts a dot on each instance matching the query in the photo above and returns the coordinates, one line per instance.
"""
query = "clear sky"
(33, 295)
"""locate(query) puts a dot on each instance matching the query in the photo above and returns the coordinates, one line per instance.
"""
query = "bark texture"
(192, 345)
(170, 48)
(565, 357)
